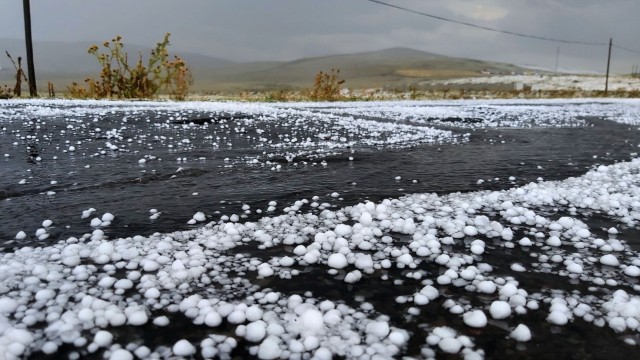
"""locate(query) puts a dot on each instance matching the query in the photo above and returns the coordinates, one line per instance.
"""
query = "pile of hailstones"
(80, 291)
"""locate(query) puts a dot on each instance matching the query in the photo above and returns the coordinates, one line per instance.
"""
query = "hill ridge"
(65, 62)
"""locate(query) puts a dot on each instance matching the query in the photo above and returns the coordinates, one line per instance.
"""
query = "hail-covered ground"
(539, 269)
(553, 82)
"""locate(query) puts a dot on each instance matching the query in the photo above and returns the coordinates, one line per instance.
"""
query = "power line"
(626, 49)
(508, 32)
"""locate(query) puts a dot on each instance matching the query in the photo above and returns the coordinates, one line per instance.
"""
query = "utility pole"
(557, 59)
(606, 84)
(26, 7)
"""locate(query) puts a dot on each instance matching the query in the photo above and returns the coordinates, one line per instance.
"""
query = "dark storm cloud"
(248, 30)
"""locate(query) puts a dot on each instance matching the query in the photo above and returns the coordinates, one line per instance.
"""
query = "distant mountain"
(62, 60)
(63, 63)
(389, 67)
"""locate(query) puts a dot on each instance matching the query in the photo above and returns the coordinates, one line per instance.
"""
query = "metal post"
(606, 84)
(33, 92)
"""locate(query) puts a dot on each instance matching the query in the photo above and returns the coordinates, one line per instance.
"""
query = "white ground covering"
(498, 113)
(82, 288)
(555, 82)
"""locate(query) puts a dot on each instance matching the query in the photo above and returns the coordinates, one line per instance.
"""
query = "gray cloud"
(247, 30)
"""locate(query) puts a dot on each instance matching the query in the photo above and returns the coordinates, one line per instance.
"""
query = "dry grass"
(414, 94)
(326, 86)
(6, 92)
(436, 73)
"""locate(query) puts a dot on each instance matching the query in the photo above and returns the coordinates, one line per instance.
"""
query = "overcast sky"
(247, 30)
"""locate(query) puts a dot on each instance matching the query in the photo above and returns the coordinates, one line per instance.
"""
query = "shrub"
(121, 80)
(326, 86)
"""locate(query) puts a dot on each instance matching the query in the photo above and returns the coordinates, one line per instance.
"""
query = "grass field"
(397, 73)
